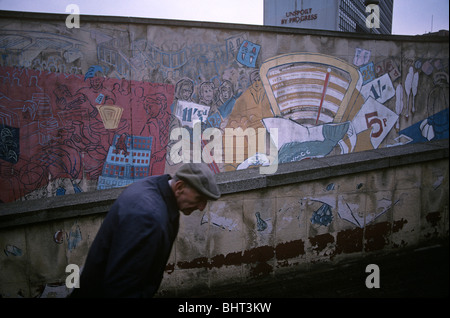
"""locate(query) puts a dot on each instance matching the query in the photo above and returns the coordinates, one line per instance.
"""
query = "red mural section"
(55, 126)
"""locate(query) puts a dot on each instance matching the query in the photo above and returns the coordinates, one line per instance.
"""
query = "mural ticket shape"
(377, 117)
(381, 89)
(189, 113)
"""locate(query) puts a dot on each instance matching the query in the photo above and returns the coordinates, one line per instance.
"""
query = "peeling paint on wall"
(219, 221)
(74, 237)
(12, 250)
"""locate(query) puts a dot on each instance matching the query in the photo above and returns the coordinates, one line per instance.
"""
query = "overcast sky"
(411, 17)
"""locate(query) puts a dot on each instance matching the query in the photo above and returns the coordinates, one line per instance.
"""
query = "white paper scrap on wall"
(219, 221)
(381, 89)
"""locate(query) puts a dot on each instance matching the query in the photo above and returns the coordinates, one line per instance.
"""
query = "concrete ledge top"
(331, 166)
(74, 205)
(434, 37)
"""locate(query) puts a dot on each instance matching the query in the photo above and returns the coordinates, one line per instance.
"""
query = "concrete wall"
(310, 214)
(92, 109)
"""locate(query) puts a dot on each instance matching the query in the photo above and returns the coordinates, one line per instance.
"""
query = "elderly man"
(131, 249)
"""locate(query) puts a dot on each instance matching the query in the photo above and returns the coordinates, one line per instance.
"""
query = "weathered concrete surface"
(364, 143)
(421, 272)
(230, 244)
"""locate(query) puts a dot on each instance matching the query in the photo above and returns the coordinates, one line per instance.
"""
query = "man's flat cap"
(201, 178)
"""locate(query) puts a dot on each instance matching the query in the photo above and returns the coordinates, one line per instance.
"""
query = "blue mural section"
(323, 216)
(434, 127)
(248, 53)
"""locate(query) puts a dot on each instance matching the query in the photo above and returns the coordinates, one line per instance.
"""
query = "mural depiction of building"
(128, 160)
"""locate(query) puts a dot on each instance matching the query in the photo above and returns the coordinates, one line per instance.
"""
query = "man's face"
(188, 199)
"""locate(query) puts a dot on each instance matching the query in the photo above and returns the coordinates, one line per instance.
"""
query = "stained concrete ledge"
(97, 202)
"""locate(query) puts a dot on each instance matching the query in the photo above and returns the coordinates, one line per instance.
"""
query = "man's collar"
(169, 196)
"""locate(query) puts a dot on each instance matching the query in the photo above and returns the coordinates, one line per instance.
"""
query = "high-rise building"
(360, 16)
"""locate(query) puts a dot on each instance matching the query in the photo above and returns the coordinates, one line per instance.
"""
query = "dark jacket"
(131, 249)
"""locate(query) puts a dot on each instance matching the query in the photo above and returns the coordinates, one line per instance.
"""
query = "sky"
(410, 17)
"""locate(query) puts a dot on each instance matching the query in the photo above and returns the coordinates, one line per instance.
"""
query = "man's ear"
(179, 185)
